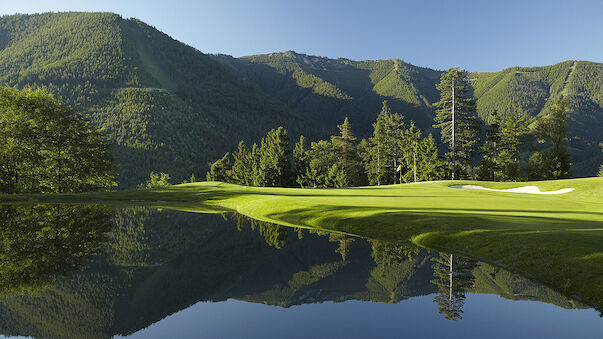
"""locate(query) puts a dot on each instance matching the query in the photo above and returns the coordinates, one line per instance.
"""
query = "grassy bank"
(554, 239)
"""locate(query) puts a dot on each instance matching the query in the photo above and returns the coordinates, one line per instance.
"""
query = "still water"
(101, 272)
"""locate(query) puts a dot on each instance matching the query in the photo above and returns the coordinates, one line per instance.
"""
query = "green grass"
(554, 239)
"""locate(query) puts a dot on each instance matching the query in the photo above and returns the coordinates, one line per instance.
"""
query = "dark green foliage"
(489, 150)
(513, 132)
(346, 153)
(419, 160)
(242, 167)
(275, 164)
(300, 160)
(45, 146)
(383, 151)
(328, 90)
(219, 170)
(553, 130)
(466, 125)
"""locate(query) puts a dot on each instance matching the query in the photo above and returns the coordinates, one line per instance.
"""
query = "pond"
(90, 271)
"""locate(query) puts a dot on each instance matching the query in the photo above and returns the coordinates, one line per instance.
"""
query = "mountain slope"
(330, 89)
(166, 106)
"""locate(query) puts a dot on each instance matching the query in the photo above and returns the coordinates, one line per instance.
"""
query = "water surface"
(98, 272)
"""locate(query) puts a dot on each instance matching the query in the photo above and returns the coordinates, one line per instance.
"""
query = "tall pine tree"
(381, 157)
(346, 153)
(466, 125)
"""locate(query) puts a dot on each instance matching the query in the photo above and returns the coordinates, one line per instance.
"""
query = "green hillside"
(330, 89)
(533, 90)
(168, 107)
(165, 106)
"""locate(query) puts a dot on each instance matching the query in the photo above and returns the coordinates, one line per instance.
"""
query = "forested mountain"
(331, 89)
(168, 107)
(328, 90)
(164, 105)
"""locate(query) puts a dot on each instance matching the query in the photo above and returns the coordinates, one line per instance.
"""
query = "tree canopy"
(46, 146)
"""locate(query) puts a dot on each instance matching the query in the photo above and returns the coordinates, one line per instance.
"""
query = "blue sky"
(476, 35)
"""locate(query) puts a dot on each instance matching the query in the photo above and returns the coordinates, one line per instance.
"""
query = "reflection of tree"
(390, 252)
(345, 242)
(275, 235)
(453, 277)
(42, 242)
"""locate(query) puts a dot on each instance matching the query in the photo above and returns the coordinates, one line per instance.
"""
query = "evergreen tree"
(384, 147)
(300, 160)
(219, 170)
(242, 167)
(430, 165)
(553, 130)
(512, 133)
(466, 125)
(411, 140)
(346, 153)
(275, 165)
(489, 150)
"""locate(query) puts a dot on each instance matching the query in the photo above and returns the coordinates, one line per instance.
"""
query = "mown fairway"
(554, 239)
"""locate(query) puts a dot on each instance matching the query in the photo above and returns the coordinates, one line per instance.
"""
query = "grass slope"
(553, 239)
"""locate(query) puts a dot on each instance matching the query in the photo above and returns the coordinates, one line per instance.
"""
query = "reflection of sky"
(485, 316)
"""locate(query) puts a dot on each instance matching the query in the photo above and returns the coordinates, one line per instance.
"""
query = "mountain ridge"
(169, 107)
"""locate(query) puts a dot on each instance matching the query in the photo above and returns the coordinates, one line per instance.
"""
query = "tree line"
(397, 151)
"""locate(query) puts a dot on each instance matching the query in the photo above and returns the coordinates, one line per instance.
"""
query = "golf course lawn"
(553, 239)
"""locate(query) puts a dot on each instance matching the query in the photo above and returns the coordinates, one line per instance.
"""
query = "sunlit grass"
(555, 239)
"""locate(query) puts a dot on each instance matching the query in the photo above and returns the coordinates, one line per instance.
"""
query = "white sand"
(525, 189)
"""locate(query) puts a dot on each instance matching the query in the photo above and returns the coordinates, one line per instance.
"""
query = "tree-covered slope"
(533, 90)
(328, 90)
(166, 106)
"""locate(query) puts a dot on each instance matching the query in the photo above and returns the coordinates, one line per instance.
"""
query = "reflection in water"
(155, 263)
(453, 276)
(42, 242)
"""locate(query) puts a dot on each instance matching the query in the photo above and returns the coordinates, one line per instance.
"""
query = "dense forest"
(398, 152)
(167, 107)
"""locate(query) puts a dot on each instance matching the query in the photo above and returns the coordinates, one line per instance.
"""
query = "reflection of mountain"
(158, 263)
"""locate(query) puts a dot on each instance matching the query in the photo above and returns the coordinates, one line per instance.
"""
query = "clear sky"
(479, 35)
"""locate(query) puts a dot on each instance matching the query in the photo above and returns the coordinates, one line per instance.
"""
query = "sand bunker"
(525, 189)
